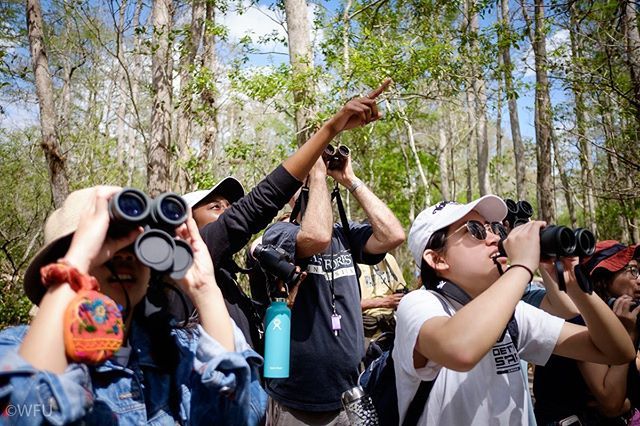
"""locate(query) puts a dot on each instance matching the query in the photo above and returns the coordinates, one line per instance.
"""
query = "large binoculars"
(555, 240)
(335, 158)
(277, 263)
(518, 212)
(157, 246)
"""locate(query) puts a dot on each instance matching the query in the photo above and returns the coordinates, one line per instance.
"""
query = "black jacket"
(233, 230)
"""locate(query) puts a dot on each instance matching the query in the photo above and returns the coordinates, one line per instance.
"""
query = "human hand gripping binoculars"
(336, 158)
(157, 246)
(555, 240)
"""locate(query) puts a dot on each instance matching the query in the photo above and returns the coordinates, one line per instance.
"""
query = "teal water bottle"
(277, 340)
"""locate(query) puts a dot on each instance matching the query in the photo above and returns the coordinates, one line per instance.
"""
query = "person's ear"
(435, 260)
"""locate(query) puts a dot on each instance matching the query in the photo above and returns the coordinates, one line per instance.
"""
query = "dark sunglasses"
(478, 230)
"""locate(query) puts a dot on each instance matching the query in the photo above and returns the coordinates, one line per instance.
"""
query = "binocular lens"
(585, 242)
(131, 204)
(512, 207)
(330, 150)
(525, 209)
(172, 209)
(343, 150)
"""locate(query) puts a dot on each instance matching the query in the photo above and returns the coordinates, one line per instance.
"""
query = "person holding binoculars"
(327, 335)
(86, 359)
(466, 331)
(598, 394)
(227, 218)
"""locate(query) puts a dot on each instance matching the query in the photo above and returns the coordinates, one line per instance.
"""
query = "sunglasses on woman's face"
(478, 230)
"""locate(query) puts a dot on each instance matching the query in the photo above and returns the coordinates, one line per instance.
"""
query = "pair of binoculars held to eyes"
(555, 240)
(157, 246)
(336, 158)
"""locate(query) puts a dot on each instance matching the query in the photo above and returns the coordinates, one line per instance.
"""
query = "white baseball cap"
(445, 213)
(229, 187)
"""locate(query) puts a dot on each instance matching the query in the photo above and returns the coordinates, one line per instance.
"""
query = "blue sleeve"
(533, 295)
(283, 235)
(31, 396)
(225, 386)
(359, 235)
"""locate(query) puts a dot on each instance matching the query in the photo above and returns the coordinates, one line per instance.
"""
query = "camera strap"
(301, 203)
(335, 194)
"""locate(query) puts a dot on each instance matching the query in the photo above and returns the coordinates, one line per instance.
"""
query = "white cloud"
(257, 20)
(558, 51)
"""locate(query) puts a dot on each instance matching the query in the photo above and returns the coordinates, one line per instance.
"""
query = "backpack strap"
(416, 407)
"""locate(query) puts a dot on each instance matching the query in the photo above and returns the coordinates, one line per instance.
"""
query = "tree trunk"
(208, 95)
(185, 111)
(301, 57)
(44, 90)
(412, 145)
(632, 39)
(498, 162)
(159, 145)
(543, 118)
(132, 80)
(586, 162)
(514, 120)
(471, 140)
(479, 88)
(443, 151)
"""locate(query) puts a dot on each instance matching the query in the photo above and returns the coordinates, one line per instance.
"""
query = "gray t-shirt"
(323, 365)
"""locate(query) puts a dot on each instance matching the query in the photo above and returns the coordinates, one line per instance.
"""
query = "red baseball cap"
(610, 255)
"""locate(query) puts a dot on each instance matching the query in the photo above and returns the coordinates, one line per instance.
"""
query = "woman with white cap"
(82, 360)
(464, 333)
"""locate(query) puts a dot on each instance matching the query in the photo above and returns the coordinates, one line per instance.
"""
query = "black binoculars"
(157, 246)
(518, 212)
(560, 241)
(277, 263)
(555, 240)
(335, 158)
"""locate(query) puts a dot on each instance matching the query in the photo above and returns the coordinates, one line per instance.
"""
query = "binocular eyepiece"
(335, 158)
(518, 212)
(276, 262)
(156, 247)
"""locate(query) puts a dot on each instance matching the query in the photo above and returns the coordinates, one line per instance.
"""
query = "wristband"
(526, 268)
(93, 327)
(357, 183)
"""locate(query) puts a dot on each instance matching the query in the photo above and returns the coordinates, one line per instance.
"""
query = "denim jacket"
(214, 386)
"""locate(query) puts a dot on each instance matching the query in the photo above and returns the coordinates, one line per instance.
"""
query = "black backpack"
(378, 378)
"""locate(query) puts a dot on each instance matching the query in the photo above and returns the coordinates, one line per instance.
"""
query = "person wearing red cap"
(596, 393)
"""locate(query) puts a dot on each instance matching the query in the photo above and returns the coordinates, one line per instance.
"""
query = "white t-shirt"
(493, 392)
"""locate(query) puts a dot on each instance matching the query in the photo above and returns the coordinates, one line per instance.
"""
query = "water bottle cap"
(280, 299)
(352, 394)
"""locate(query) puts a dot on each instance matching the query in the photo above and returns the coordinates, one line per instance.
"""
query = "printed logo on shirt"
(341, 264)
(506, 358)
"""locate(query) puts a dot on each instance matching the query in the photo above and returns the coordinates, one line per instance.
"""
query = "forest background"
(174, 95)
